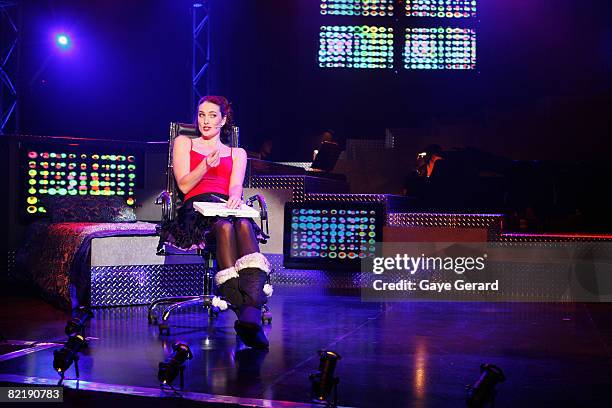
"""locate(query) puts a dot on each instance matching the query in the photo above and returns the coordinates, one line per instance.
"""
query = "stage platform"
(417, 354)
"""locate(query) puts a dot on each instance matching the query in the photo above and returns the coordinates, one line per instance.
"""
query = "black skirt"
(191, 230)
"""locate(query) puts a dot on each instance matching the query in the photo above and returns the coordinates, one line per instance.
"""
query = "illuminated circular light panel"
(441, 8)
(54, 174)
(440, 48)
(356, 47)
(364, 8)
(332, 233)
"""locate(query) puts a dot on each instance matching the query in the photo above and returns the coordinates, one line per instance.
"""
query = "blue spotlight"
(62, 41)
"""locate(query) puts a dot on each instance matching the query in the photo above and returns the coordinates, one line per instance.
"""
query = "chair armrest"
(163, 197)
(165, 200)
(263, 210)
(261, 201)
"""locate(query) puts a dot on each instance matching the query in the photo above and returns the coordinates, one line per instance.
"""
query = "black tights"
(235, 239)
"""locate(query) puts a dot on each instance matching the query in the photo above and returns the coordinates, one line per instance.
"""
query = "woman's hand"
(234, 202)
(214, 158)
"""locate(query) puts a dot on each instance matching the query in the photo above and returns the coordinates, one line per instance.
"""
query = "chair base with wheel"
(159, 311)
(173, 303)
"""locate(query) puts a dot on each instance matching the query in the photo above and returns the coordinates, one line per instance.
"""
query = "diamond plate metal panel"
(532, 282)
(141, 284)
(393, 203)
(491, 222)
(317, 278)
(300, 185)
(309, 277)
(294, 183)
(133, 285)
(535, 282)
(444, 220)
(511, 237)
(348, 198)
(276, 260)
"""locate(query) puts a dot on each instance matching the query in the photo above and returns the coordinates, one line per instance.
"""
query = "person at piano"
(327, 135)
(427, 159)
(265, 150)
(207, 169)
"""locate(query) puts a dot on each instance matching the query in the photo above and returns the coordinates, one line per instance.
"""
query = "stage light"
(77, 324)
(323, 381)
(63, 358)
(63, 41)
(482, 393)
(174, 365)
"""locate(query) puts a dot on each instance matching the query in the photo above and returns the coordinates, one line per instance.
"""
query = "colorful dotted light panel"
(363, 8)
(441, 8)
(51, 173)
(356, 47)
(440, 48)
(333, 233)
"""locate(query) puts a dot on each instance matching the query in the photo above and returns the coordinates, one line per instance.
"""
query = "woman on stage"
(205, 169)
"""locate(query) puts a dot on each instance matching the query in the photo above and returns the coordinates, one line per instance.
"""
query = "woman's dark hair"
(226, 111)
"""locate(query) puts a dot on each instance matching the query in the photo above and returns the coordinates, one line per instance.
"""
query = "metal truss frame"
(200, 68)
(9, 40)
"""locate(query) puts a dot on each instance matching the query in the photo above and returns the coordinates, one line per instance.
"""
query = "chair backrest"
(172, 197)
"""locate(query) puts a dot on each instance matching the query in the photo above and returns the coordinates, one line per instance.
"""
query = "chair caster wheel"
(266, 318)
(164, 328)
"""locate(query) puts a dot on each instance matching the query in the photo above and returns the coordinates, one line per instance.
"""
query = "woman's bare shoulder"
(182, 144)
(182, 140)
(239, 152)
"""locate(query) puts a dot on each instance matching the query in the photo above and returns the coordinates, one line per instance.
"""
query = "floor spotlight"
(174, 365)
(79, 321)
(63, 358)
(482, 393)
(323, 381)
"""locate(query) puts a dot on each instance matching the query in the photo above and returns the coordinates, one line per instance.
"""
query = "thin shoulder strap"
(232, 152)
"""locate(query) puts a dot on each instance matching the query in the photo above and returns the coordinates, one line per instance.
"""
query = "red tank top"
(215, 180)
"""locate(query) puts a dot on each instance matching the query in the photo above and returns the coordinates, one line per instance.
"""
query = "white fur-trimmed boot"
(253, 270)
(229, 287)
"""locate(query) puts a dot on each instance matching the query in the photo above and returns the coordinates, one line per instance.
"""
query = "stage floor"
(419, 354)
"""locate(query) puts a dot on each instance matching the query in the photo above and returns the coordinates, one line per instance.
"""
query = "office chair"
(170, 200)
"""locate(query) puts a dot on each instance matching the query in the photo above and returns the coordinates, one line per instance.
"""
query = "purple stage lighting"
(62, 41)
